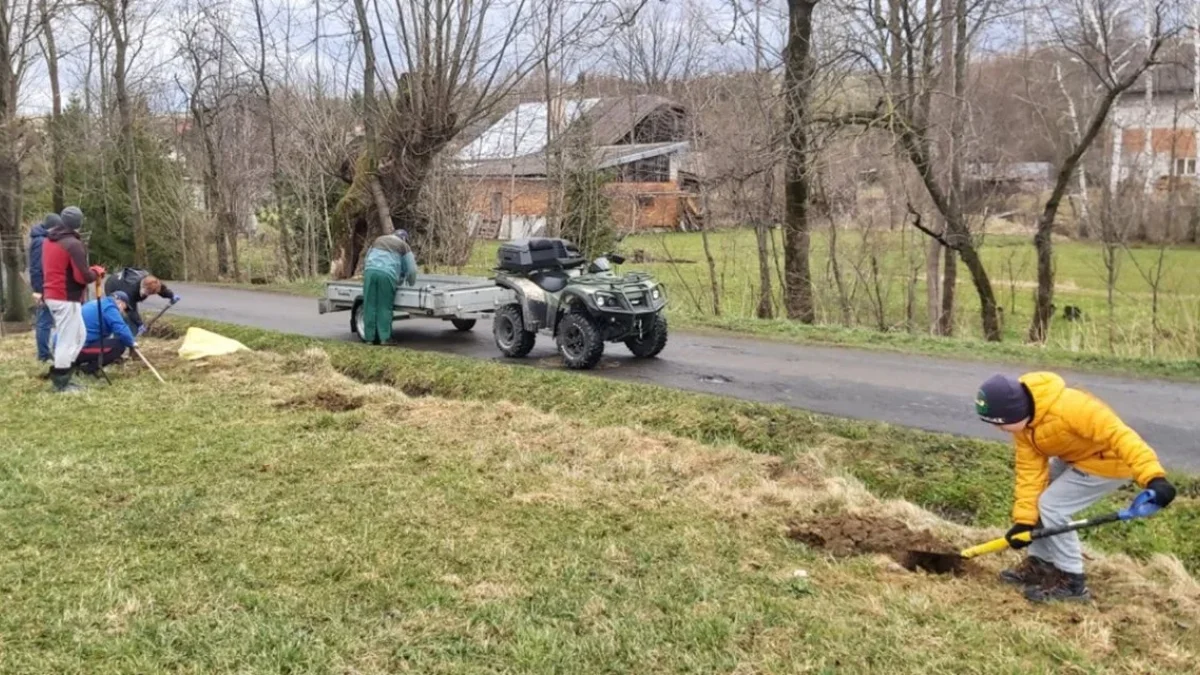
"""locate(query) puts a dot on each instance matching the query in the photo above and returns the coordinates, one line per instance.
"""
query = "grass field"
(1011, 263)
(1080, 279)
(266, 513)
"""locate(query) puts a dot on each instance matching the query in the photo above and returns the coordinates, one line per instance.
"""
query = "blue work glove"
(141, 330)
(176, 298)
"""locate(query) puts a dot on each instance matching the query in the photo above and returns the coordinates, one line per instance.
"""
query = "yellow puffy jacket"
(1081, 430)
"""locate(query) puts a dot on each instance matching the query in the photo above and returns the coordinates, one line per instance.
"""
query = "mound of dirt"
(163, 331)
(849, 534)
(325, 399)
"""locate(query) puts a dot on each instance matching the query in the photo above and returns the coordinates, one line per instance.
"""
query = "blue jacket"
(392, 256)
(36, 236)
(114, 323)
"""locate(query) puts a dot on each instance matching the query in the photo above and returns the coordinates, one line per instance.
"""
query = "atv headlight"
(606, 300)
(655, 294)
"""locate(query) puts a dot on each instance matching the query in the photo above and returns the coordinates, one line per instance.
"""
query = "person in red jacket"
(65, 277)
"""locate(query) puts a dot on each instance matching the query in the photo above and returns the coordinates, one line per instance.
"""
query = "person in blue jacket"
(118, 338)
(45, 320)
(390, 262)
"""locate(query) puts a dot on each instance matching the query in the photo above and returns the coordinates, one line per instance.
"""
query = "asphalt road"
(926, 393)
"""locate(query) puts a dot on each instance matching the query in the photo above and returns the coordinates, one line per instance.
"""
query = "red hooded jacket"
(65, 271)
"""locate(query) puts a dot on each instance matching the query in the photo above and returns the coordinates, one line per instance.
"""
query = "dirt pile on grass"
(162, 330)
(850, 534)
(324, 399)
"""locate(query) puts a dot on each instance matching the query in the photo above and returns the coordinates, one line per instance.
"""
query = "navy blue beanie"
(122, 296)
(1003, 400)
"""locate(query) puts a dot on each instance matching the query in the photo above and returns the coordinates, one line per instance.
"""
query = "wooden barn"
(642, 140)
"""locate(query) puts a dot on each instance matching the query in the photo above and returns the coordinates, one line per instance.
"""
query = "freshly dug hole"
(163, 331)
(848, 534)
(325, 399)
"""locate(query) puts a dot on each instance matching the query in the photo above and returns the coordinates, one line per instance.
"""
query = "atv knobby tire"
(508, 328)
(579, 342)
(653, 342)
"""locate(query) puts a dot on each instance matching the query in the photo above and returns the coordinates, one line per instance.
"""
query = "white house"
(1152, 143)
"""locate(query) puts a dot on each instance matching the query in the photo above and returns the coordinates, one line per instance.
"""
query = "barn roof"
(522, 131)
(603, 157)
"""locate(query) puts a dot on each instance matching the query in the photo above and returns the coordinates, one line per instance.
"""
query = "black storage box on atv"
(526, 255)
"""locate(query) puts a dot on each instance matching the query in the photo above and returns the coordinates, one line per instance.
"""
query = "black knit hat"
(1003, 400)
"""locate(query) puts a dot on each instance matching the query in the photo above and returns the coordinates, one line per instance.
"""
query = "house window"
(497, 205)
(649, 170)
(1185, 167)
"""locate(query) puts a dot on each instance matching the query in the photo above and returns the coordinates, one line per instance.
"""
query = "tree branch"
(933, 235)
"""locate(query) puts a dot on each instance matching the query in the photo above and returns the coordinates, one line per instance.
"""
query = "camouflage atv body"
(582, 305)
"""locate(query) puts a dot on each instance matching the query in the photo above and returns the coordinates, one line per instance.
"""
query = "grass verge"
(263, 513)
(965, 480)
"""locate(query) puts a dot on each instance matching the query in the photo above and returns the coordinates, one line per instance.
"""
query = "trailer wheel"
(356, 320)
(463, 325)
(508, 328)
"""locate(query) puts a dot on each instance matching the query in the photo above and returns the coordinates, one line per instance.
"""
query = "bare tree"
(122, 20)
(1089, 33)
(371, 120)
(202, 47)
(266, 86)
(47, 14)
(903, 58)
(449, 65)
(19, 23)
(659, 47)
(797, 83)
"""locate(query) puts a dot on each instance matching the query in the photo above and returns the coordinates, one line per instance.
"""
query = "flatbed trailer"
(460, 300)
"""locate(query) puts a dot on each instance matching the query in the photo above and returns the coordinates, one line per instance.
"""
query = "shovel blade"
(934, 563)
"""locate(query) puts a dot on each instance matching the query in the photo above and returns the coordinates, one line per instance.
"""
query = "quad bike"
(581, 304)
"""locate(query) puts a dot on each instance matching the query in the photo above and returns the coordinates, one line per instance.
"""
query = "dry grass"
(438, 535)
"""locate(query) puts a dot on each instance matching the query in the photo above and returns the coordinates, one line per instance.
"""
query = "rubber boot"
(1033, 571)
(1064, 586)
(62, 381)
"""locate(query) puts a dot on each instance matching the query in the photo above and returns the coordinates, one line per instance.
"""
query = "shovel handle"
(1143, 505)
(155, 318)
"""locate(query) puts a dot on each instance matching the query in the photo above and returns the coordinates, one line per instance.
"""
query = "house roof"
(522, 131)
(603, 157)
(1011, 171)
(1168, 78)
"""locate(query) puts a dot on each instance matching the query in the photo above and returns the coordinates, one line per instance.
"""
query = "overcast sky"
(718, 38)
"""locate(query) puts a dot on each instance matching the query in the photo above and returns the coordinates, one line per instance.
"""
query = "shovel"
(143, 358)
(155, 318)
(942, 563)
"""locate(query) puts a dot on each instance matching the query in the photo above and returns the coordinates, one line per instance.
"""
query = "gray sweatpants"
(70, 331)
(1069, 492)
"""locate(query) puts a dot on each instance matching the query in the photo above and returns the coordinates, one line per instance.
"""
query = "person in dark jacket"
(45, 320)
(138, 285)
(65, 278)
(107, 315)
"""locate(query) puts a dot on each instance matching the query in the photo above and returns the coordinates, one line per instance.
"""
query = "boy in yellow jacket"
(1071, 452)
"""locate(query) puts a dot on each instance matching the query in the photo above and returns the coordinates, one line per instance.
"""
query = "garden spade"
(945, 563)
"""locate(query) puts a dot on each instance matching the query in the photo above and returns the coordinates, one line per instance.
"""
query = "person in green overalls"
(390, 260)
